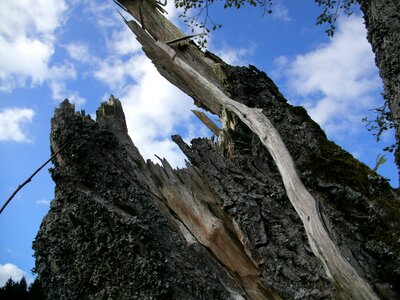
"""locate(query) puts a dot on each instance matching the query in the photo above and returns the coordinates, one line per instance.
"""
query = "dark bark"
(382, 20)
(123, 228)
(107, 235)
(230, 225)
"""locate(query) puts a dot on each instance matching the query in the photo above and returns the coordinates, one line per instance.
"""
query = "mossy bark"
(382, 20)
(258, 223)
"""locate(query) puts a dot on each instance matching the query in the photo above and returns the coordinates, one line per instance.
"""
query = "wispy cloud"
(338, 81)
(43, 202)
(122, 42)
(27, 36)
(27, 45)
(104, 13)
(280, 12)
(235, 56)
(22, 59)
(13, 123)
(154, 108)
(78, 51)
(59, 92)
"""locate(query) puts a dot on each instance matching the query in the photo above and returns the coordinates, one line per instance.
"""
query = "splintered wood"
(200, 77)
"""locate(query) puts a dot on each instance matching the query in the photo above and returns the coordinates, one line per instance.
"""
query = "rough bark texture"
(238, 222)
(222, 228)
(202, 77)
(382, 19)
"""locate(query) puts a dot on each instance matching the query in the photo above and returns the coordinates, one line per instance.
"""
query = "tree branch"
(189, 71)
(34, 173)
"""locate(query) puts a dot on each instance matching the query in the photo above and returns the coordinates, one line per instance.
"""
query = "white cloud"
(103, 12)
(43, 202)
(337, 81)
(231, 55)
(116, 71)
(154, 110)
(173, 13)
(106, 14)
(153, 107)
(235, 56)
(60, 92)
(60, 72)
(29, 17)
(163, 149)
(9, 270)
(12, 124)
(78, 51)
(27, 44)
(27, 40)
(20, 59)
(280, 63)
(123, 42)
(280, 12)
(58, 76)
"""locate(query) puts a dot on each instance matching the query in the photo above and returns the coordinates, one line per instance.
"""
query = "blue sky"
(81, 50)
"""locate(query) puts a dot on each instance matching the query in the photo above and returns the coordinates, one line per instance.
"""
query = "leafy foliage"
(331, 10)
(201, 18)
(20, 291)
(382, 122)
(380, 160)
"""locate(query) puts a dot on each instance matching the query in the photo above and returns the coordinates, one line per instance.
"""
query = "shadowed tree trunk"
(382, 19)
(272, 211)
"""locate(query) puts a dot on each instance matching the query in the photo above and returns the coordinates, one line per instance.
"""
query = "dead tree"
(199, 79)
(382, 20)
(273, 211)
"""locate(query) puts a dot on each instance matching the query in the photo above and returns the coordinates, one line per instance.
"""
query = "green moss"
(376, 207)
(221, 76)
(387, 229)
(333, 165)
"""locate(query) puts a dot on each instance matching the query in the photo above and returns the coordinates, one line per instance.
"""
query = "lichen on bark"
(284, 213)
(111, 231)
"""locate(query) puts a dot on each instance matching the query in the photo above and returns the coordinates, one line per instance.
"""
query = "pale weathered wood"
(206, 121)
(177, 68)
(161, 29)
(185, 38)
(184, 192)
(201, 222)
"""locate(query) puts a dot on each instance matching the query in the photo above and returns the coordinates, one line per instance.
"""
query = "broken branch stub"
(207, 121)
(200, 77)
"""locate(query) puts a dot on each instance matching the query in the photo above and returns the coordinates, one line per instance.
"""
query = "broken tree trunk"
(181, 65)
(279, 214)
(382, 20)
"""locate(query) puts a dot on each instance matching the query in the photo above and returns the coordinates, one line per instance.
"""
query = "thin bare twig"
(121, 6)
(122, 16)
(187, 37)
(30, 178)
